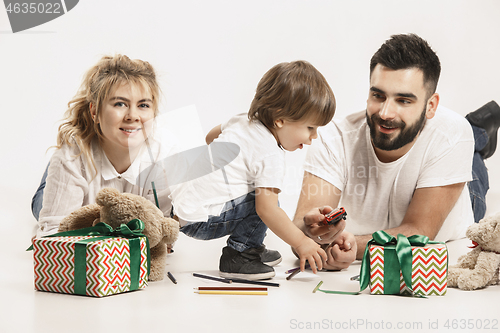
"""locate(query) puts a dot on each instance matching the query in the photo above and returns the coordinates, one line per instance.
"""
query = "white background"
(211, 54)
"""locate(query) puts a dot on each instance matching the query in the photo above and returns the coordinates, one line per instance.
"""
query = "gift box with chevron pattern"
(90, 265)
(428, 276)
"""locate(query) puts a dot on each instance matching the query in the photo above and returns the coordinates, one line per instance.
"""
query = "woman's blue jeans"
(36, 202)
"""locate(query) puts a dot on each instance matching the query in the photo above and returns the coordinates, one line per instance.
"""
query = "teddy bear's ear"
(107, 196)
(485, 231)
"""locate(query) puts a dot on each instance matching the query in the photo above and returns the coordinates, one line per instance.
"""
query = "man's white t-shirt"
(260, 162)
(376, 195)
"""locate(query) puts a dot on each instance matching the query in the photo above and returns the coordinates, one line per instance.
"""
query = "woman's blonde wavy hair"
(100, 81)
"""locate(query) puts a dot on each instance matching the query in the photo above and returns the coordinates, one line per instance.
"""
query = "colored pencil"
(230, 292)
(292, 270)
(295, 269)
(213, 278)
(232, 288)
(317, 287)
(171, 277)
(261, 283)
(156, 196)
(293, 274)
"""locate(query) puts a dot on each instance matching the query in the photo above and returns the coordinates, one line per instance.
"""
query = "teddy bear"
(115, 208)
(480, 267)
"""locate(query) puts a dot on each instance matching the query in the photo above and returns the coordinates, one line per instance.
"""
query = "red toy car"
(335, 216)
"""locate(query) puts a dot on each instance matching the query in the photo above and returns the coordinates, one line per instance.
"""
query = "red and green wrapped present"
(96, 261)
(406, 266)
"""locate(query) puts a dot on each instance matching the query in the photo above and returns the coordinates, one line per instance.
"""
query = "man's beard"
(383, 141)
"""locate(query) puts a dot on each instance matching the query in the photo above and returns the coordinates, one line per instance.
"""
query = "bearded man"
(404, 165)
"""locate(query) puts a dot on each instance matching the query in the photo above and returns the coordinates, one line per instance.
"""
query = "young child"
(241, 198)
(102, 142)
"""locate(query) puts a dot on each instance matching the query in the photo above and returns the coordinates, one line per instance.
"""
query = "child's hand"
(308, 250)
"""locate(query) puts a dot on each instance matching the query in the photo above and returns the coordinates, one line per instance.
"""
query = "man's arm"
(426, 213)
(316, 199)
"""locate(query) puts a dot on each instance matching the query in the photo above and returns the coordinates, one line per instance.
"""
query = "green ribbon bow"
(132, 230)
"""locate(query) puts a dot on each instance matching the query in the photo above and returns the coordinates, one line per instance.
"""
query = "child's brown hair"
(293, 91)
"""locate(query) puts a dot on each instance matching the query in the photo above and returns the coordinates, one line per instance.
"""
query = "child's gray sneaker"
(270, 257)
(245, 265)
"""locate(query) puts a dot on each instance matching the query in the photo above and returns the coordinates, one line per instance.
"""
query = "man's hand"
(342, 252)
(317, 230)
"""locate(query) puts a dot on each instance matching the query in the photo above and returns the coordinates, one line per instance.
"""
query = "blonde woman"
(102, 142)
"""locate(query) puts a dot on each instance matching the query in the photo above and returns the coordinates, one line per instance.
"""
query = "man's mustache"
(387, 123)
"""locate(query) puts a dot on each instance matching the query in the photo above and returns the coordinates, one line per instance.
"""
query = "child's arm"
(213, 134)
(266, 204)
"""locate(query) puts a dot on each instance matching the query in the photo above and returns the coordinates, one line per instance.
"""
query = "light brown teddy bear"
(115, 208)
(480, 267)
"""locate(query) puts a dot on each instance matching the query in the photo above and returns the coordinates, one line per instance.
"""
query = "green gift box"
(96, 261)
(405, 266)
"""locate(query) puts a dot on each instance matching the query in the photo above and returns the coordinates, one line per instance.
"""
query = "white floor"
(165, 307)
(211, 54)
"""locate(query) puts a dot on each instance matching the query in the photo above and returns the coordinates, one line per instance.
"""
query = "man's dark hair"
(409, 51)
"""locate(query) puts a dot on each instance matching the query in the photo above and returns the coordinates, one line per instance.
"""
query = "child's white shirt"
(260, 163)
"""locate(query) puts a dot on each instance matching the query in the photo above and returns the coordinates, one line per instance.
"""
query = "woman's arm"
(64, 191)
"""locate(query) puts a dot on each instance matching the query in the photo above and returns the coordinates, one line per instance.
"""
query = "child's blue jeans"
(238, 219)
